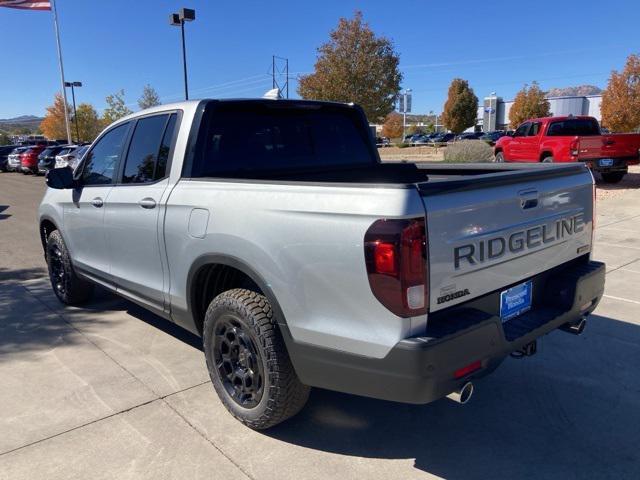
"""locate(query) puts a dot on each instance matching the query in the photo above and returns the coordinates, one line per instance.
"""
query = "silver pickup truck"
(272, 229)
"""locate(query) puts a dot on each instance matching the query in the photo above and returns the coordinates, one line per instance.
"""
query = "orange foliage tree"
(621, 99)
(53, 125)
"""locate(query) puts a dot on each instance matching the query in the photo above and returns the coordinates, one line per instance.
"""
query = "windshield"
(572, 127)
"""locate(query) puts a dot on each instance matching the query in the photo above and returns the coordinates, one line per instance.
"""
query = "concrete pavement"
(112, 391)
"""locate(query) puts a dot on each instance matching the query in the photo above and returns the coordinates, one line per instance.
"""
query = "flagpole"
(64, 90)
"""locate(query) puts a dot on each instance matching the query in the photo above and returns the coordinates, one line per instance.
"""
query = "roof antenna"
(273, 94)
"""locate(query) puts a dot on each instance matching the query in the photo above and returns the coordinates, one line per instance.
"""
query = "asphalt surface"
(111, 391)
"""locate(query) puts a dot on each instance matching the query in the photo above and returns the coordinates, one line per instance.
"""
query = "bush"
(403, 145)
(468, 151)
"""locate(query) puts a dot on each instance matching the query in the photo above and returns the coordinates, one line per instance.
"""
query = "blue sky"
(496, 45)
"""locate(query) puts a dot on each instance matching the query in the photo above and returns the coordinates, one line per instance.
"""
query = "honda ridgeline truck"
(272, 229)
(571, 139)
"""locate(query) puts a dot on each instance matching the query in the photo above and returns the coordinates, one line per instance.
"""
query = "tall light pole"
(406, 107)
(178, 19)
(75, 113)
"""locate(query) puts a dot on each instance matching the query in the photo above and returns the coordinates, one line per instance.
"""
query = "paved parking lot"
(111, 391)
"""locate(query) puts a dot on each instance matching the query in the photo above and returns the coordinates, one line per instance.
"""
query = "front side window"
(100, 163)
(522, 130)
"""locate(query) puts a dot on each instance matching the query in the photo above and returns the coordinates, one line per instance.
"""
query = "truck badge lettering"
(452, 296)
(481, 251)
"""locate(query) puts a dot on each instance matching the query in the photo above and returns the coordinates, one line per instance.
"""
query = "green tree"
(4, 138)
(621, 99)
(149, 98)
(356, 66)
(116, 108)
(461, 108)
(530, 102)
(89, 124)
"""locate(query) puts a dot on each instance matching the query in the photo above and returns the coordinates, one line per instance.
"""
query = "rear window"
(572, 127)
(255, 139)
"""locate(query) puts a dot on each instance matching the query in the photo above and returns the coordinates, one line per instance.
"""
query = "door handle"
(147, 202)
(97, 202)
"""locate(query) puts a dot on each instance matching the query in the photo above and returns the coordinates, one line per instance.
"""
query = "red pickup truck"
(571, 139)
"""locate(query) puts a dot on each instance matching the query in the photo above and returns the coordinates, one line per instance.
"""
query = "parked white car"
(72, 157)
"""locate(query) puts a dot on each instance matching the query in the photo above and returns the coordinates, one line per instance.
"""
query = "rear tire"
(248, 361)
(68, 287)
(499, 157)
(612, 177)
(548, 159)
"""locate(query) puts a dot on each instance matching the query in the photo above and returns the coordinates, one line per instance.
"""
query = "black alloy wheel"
(238, 362)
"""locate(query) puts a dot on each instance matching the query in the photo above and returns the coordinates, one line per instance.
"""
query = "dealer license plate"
(605, 162)
(515, 301)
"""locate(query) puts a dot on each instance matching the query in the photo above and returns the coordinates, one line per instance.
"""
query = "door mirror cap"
(60, 178)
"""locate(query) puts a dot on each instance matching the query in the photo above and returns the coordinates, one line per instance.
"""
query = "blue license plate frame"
(605, 162)
(516, 300)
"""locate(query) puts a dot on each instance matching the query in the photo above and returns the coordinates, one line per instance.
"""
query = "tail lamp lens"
(573, 147)
(396, 258)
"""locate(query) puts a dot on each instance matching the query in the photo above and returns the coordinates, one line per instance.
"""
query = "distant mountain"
(20, 119)
(30, 122)
(578, 91)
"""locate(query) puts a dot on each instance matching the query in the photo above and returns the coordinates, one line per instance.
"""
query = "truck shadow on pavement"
(32, 320)
(630, 180)
(571, 411)
(4, 216)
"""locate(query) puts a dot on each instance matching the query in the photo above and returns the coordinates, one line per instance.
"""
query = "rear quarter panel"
(306, 242)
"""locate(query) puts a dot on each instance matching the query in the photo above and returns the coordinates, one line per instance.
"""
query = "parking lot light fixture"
(177, 20)
(73, 96)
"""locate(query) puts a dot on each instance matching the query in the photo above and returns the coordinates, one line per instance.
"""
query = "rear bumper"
(421, 369)
(617, 164)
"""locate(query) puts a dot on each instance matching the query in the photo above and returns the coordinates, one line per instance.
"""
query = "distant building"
(493, 114)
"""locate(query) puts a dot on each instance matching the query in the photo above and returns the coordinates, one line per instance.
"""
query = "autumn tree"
(392, 127)
(461, 108)
(116, 108)
(530, 102)
(53, 126)
(89, 124)
(149, 97)
(356, 66)
(620, 106)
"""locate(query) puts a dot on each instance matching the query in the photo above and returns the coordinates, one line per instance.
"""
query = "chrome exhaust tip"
(463, 394)
(575, 328)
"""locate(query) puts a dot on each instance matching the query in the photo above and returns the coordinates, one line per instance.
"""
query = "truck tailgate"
(490, 231)
(608, 146)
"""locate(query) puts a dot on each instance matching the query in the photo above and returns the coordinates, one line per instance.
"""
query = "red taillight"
(385, 258)
(573, 147)
(396, 258)
(464, 371)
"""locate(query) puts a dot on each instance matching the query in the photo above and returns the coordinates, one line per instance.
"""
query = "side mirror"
(60, 178)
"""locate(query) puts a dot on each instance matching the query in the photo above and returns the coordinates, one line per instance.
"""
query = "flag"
(26, 5)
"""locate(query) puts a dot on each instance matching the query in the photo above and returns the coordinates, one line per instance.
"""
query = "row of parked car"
(437, 138)
(40, 158)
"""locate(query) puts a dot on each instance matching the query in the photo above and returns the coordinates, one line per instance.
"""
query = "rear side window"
(253, 139)
(100, 163)
(149, 149)
(575, 126)
(165, 147)
(534, 130)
